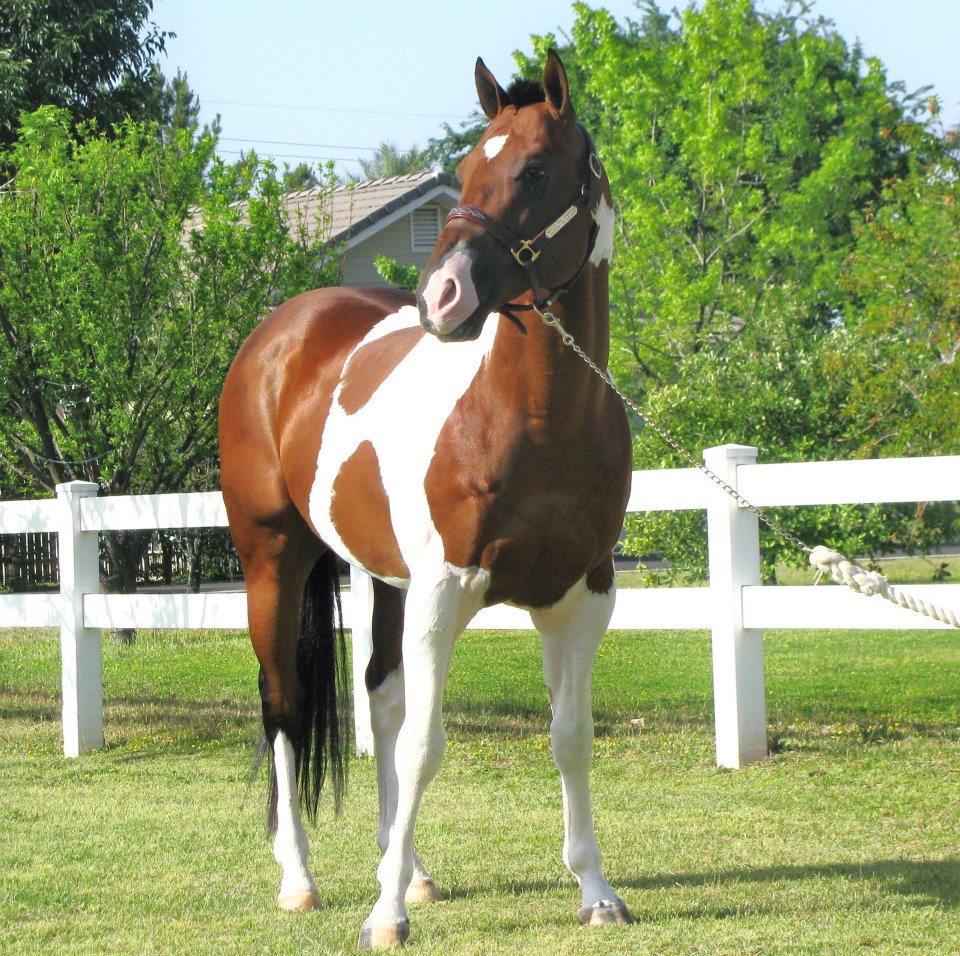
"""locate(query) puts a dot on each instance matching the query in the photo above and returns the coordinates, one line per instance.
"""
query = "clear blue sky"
(311, 80)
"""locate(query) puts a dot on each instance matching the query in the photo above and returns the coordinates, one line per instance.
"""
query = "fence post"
(361, 594)
(80, 652)
(733, 533)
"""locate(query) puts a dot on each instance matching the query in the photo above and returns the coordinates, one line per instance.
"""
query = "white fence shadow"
(735, 607)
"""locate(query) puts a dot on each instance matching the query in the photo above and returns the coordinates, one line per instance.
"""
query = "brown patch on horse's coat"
(369, 368)
(601, 578)
(509, 493)
(361, 512)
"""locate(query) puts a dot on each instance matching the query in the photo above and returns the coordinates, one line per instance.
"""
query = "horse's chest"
(396, 393)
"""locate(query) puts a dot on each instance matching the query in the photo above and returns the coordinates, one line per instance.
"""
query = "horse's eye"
(533, 173)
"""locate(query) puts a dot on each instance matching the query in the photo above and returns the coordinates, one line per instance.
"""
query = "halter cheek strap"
(527, 251)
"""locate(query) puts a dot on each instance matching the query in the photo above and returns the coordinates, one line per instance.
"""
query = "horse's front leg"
(571, 632)
(384, 680)
(387, 709)
(438, 607)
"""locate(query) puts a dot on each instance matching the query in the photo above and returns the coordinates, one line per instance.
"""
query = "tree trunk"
(124, 551)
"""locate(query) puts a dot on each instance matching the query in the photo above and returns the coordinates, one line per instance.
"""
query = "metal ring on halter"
(525, 247)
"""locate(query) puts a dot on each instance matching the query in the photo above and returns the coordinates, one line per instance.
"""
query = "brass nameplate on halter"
(555, 227)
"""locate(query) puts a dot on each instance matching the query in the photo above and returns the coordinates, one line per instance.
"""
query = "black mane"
(525, 92)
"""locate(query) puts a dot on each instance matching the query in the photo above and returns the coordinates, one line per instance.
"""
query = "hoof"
(423, 891)
(299, 901)
(382, 937)
(605, 913)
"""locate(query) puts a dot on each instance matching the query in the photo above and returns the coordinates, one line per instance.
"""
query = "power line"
(334, 109)
(313, 156)
(281, 142)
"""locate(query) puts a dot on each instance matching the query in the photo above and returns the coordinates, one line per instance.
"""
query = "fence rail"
(735, 607)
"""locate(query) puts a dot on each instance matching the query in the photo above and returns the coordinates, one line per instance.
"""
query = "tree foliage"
(742, 145)
(389, 160)
(900, 345)
(446, 151)
(785, 272)
(300, 177)
(128, 279)
(95, 58)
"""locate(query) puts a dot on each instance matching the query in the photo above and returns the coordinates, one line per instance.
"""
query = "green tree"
(95, 58)
(900, 345)
(446, 151)
(181, 107)
(788, 391)
(129, 275)
(744, 149)
(389, 160)
(741, 146)
(299, 177)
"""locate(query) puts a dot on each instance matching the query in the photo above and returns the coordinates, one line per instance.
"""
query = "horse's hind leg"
(384, 680)
(277, 564)
(571, 632)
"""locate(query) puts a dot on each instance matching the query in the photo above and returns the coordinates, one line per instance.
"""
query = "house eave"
(395, 210)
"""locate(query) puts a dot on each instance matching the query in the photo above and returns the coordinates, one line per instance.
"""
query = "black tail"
(323, 747)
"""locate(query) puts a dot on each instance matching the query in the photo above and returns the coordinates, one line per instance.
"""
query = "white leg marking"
(603, 247)
(439, 606)
(492, 146)
(571, 632)
(291, 846)
(402, 420)
(386, 717)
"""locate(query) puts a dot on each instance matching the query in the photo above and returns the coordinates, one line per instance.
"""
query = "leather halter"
(526, 252)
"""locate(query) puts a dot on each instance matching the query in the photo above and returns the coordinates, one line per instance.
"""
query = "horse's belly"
(396, 391)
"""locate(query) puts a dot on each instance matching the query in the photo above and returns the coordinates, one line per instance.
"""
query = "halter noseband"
(527, 251)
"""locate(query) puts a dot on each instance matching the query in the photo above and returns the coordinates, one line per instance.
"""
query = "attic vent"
(424, 228)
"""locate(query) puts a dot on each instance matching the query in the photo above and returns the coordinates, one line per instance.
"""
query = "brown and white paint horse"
(462, 460)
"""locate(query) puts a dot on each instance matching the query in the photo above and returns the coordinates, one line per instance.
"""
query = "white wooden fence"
(735, 607)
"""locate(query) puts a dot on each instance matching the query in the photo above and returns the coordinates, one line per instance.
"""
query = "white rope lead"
(869, 583)
(822, 558)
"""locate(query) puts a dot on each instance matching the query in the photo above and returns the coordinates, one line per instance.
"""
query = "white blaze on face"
(603, 248)
(492, 146)
(402, 420)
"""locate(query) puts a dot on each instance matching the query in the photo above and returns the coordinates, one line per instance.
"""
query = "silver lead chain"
(550, 319)
(823, 559)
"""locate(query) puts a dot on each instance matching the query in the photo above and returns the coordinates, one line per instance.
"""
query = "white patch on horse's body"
(603, 247)
(402, 420)
(492, 146)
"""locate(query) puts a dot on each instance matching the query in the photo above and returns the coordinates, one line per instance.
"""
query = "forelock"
(525, 92)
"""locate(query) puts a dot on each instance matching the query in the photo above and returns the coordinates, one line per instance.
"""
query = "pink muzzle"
(450, 296)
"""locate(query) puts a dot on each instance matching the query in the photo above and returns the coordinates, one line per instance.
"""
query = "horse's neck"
(539, 373)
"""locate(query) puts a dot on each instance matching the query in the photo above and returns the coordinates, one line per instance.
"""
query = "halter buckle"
(526, 253)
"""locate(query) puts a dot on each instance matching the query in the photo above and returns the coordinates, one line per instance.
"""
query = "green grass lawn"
(846, 841)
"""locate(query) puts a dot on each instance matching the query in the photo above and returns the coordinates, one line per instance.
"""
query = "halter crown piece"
(527, 251)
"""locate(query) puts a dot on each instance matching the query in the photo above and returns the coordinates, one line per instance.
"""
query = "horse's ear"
(493, 97)
(555, 85)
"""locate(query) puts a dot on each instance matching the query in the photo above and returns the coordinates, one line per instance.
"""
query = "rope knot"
(858, 579)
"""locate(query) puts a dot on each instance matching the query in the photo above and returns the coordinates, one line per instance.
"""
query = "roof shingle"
(350, 209)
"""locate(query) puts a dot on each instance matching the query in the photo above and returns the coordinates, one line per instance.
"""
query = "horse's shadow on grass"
(925, 882)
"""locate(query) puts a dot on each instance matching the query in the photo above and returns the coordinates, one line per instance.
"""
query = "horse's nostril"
(449, 295)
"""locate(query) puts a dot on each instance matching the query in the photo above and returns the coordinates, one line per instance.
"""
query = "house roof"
(348, 212)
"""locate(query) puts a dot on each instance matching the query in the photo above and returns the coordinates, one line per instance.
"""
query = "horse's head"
(527, 219)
